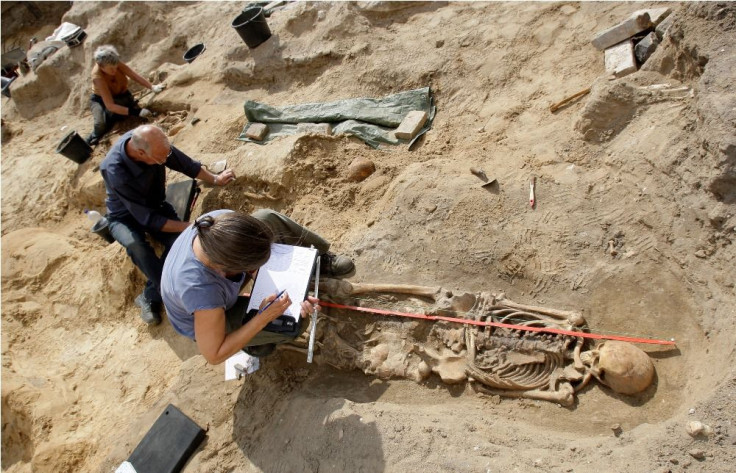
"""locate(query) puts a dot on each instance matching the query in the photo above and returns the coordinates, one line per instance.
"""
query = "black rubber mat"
(168, 444)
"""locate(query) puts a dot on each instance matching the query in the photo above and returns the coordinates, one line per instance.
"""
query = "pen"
(269, 304)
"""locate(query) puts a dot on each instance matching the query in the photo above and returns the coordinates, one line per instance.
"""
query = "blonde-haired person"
(111, 100)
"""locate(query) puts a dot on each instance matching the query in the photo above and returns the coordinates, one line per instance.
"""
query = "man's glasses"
(171, 152)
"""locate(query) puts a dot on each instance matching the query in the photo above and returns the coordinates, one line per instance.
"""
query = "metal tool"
(491, 183)
(313, 329)
(480, 173)
(240, 370)
(532, 196)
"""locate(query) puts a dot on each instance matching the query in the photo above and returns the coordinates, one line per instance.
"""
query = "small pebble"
(697, 453)
(694, 428)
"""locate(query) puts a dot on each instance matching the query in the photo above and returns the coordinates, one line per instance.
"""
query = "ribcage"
(514, 359)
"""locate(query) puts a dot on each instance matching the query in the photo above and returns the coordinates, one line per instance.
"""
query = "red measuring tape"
(498, 324)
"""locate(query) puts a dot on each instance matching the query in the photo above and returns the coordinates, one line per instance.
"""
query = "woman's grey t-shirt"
(187, 285)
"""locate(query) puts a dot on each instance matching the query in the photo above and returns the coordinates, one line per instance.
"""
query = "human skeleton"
(505, 361)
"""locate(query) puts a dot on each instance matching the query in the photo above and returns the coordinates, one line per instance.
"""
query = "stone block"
(646, 47)
(620, 60)
(411, 124)
(314, 128)
(257, 131)
(662, 28)
(656, 15)
(624, 30)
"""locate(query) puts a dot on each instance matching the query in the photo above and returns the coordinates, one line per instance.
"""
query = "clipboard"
(289, 268)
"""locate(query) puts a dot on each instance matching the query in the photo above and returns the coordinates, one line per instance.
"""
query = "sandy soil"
(83, 379)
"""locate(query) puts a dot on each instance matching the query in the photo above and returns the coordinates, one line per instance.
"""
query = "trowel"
(480, 173)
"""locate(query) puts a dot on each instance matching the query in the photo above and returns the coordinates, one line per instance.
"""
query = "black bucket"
(252, 27)
(101, 228)
(6, 81)
(74, 147)
(193, 52)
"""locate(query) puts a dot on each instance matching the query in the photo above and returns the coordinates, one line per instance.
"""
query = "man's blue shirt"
(137, 189)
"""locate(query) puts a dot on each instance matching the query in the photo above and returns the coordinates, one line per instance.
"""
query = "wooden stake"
(556, 106)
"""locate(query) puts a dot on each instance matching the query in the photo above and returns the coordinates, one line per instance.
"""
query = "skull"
(621, 366)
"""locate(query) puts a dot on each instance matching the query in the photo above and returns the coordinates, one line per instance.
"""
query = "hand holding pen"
(276, 305)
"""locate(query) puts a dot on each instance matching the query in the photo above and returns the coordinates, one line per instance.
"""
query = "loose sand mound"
(651, 170)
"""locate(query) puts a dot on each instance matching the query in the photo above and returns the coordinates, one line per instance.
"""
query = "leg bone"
(565, 396)
(342, 288)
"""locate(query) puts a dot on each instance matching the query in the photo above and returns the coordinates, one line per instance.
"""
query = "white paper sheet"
(289, 267)
(125, 467)
(249, 363)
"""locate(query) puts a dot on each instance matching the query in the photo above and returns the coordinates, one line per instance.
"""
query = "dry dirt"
(83, 379)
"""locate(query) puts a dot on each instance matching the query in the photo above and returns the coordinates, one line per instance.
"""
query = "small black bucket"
(252, 27)
(6, 85)
(101, 228)
(74, 147)
(193, 52)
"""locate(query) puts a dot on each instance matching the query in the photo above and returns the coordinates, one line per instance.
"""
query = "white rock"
(636, 23)
(694, 428)
(656, 15)
(620, 59)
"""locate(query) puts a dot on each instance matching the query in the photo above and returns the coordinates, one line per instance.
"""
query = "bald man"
(134, 171)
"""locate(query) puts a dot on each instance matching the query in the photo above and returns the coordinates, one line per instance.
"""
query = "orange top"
(116, 84)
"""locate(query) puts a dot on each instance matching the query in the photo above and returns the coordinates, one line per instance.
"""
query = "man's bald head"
(149, 139)
(149, 144)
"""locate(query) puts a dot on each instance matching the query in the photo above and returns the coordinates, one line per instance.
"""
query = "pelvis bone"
(505, 361)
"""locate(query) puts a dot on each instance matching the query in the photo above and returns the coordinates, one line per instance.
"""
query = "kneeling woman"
(111, 100)
(209, 264)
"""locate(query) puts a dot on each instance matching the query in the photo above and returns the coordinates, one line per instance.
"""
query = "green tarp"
(371, 120)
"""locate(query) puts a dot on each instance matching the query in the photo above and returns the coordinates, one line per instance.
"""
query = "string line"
(481, 323)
